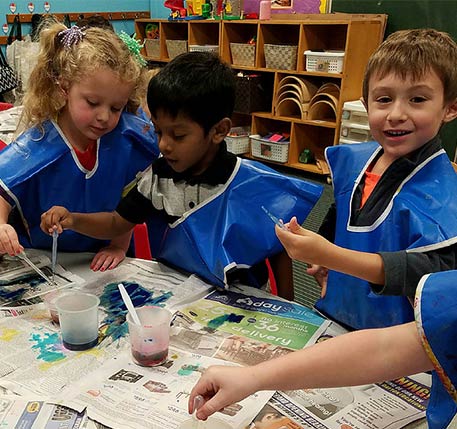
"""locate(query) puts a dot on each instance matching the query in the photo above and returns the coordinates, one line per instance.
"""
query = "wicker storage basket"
(265, 149)
(243, 54)
(282, 57)
(251, 94)
(176, 47)
(152, 47)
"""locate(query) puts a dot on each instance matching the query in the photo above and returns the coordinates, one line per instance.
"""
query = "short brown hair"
(414, 53)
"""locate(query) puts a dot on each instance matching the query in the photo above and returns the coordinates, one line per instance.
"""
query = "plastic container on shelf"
(238, 140)
(266, 149)
(326, 62)
(265, 9)
(204, 48)
(355, 132)
(355, 112)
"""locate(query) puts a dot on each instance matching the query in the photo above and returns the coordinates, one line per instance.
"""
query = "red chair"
(271, 278)
(141, 241)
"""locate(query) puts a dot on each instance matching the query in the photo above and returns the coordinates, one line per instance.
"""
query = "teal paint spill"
(219, 321)
(187, 370)
(114, 324)
(49, 346)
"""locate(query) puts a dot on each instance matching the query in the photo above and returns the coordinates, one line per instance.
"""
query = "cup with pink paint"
(150, 338)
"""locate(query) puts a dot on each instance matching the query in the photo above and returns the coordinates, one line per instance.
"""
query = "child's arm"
(111, 256)
(341, 361)
(312, 248)
(9, 242)
(103, 225)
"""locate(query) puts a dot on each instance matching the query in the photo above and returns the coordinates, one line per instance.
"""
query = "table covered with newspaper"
(45, 386)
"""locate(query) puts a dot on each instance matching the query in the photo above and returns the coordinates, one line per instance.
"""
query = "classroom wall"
(62, 6)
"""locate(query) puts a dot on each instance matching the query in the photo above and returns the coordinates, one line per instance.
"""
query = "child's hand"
(9, 242)
(320, 274)
(302, 244)
(107, 258)
(221, 386)
(58, 218)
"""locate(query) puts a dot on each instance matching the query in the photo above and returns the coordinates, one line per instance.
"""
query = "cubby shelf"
(355, 35)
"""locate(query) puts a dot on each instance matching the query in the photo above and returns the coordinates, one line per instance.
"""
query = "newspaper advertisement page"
(388, 405)
(128, 396)
(27, 413)
(264, 319)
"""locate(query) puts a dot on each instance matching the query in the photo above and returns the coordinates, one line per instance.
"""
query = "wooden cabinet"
(354, 37)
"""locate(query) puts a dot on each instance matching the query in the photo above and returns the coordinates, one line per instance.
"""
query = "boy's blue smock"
(436, 319)
(230, 229)
(39, 170)
(421, 216)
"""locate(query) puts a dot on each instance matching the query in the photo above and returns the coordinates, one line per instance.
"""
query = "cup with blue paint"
(150, 339)
(78, 317)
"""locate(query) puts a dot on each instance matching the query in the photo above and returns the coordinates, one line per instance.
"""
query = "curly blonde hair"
(99, 48)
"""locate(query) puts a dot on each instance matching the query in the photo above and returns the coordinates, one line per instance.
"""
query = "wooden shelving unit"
(356, 35)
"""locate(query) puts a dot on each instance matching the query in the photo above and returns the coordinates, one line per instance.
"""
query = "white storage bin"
(238, 140)
(204, 48)
(355, 112)
(355, 132)
(266, 149)
(326, 62)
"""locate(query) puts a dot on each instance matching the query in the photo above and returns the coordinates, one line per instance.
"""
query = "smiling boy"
(393, 197)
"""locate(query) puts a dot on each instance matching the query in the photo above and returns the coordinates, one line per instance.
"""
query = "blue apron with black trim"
(421, 215)
(231, 230)
(436, 318)
(40, 169)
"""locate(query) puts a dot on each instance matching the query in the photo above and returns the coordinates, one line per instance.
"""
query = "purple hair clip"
(71, 36)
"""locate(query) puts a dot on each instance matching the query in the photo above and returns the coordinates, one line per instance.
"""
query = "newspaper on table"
(20, 284)
(33, 360)
(127, 396)
(34, 413)
(248, 327)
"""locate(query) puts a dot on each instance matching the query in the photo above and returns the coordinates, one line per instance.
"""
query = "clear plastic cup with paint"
(150, 340)
(78, 317)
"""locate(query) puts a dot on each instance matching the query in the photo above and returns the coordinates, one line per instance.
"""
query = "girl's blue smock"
(40, 169)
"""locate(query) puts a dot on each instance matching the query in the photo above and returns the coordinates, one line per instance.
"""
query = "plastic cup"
(78, 316)
(50, 301)
(150, 340)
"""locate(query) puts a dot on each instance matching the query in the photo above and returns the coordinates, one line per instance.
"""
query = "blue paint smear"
(219, 321)
(114, 325)
(49, 346)
(14, 290)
